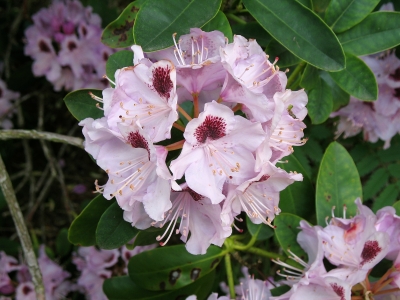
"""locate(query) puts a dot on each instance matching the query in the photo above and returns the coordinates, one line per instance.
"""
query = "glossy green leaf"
(387, 197)
(123, 288)
(221, 23)
(367, 164)
(301, 31)
(148, 236)
(280, 290)
(112, 230)
(63, 246)
(320, 102)
(396, 206)
(357, 79)
(394, 169)
(119, 33)
(157, 21)
(287, 228)
(176, 268)
(253, 30)
(297, 198)
(83, 229)
(320, 6)
(338, 184)
(264, 231)
(341, 15)
(377, 32)
(286, 58)
(117, 61)
(306, 3)
(82, 106)
(340, 98)
(310, 77)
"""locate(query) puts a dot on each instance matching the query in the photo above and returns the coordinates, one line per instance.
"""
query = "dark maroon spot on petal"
(162, 82)
(1, 93)
(214, 263)
(370, 104)
(44, 47)
(138, 141)
(104, 81)
(105, 56)
(212, 127)
(264, 178)
(174, 276)
(104, 276)
(162, 286)
(339, 290)
(370, 251)
(395, 75)
(195, 273)
(84, 30)
(71, 46)
(26, 290)
(195, 196)
(128, 255)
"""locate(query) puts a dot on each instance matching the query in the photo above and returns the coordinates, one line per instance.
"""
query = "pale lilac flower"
(378, 119)
(389, 222)
(258, 196)
(7, 264)
(213, 296)
(199, 217)
(93, 265)
(354, 244)
(64, 42)
(252, 289)
(127, 254)
(145, 93)
(218, 148)
(6, 105)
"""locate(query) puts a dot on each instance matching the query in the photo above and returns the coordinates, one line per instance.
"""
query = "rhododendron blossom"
(6, 105)
(177, 115)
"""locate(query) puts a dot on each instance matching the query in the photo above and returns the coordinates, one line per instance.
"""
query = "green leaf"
(63, 246)
(148, 236)
(320, 6)
(306, 3)
(396, 206)
(301, 31)
(176, 269)
(367, 164)
(119, 33)
(117, 61)
(265, 231)
(280, 290)
(357, 79)
(320, 102)
(375, 183)
(112, 230)
(83, 229)
(309, 78)
(10, 247)
(387, 198)
(253, 30)
(219, 22)
(123, 288)
(286, 58)
(103, 8)
(394, 170)
(287, 228)
(157, 21)
(377, 32)
(338, 183)
(341, 15)
(82, 106)
(297, 198)
(340, 97)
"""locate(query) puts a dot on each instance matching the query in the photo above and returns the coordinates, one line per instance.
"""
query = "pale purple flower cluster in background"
(379, 119)
(94, 265)
(64, 42)
(228, 160)
(354, 246)
(6, 105)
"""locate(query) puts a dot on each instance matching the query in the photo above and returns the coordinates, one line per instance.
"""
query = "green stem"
(267, 254)
(292, 78)
(229, 274)
(40, 135)
(253, 239)
(236, 18)
(22, 231)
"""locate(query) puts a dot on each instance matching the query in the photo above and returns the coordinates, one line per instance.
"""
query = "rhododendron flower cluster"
(6, 105)
(379, 119)
(64, 42)
(354, 246)
(226, 108)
